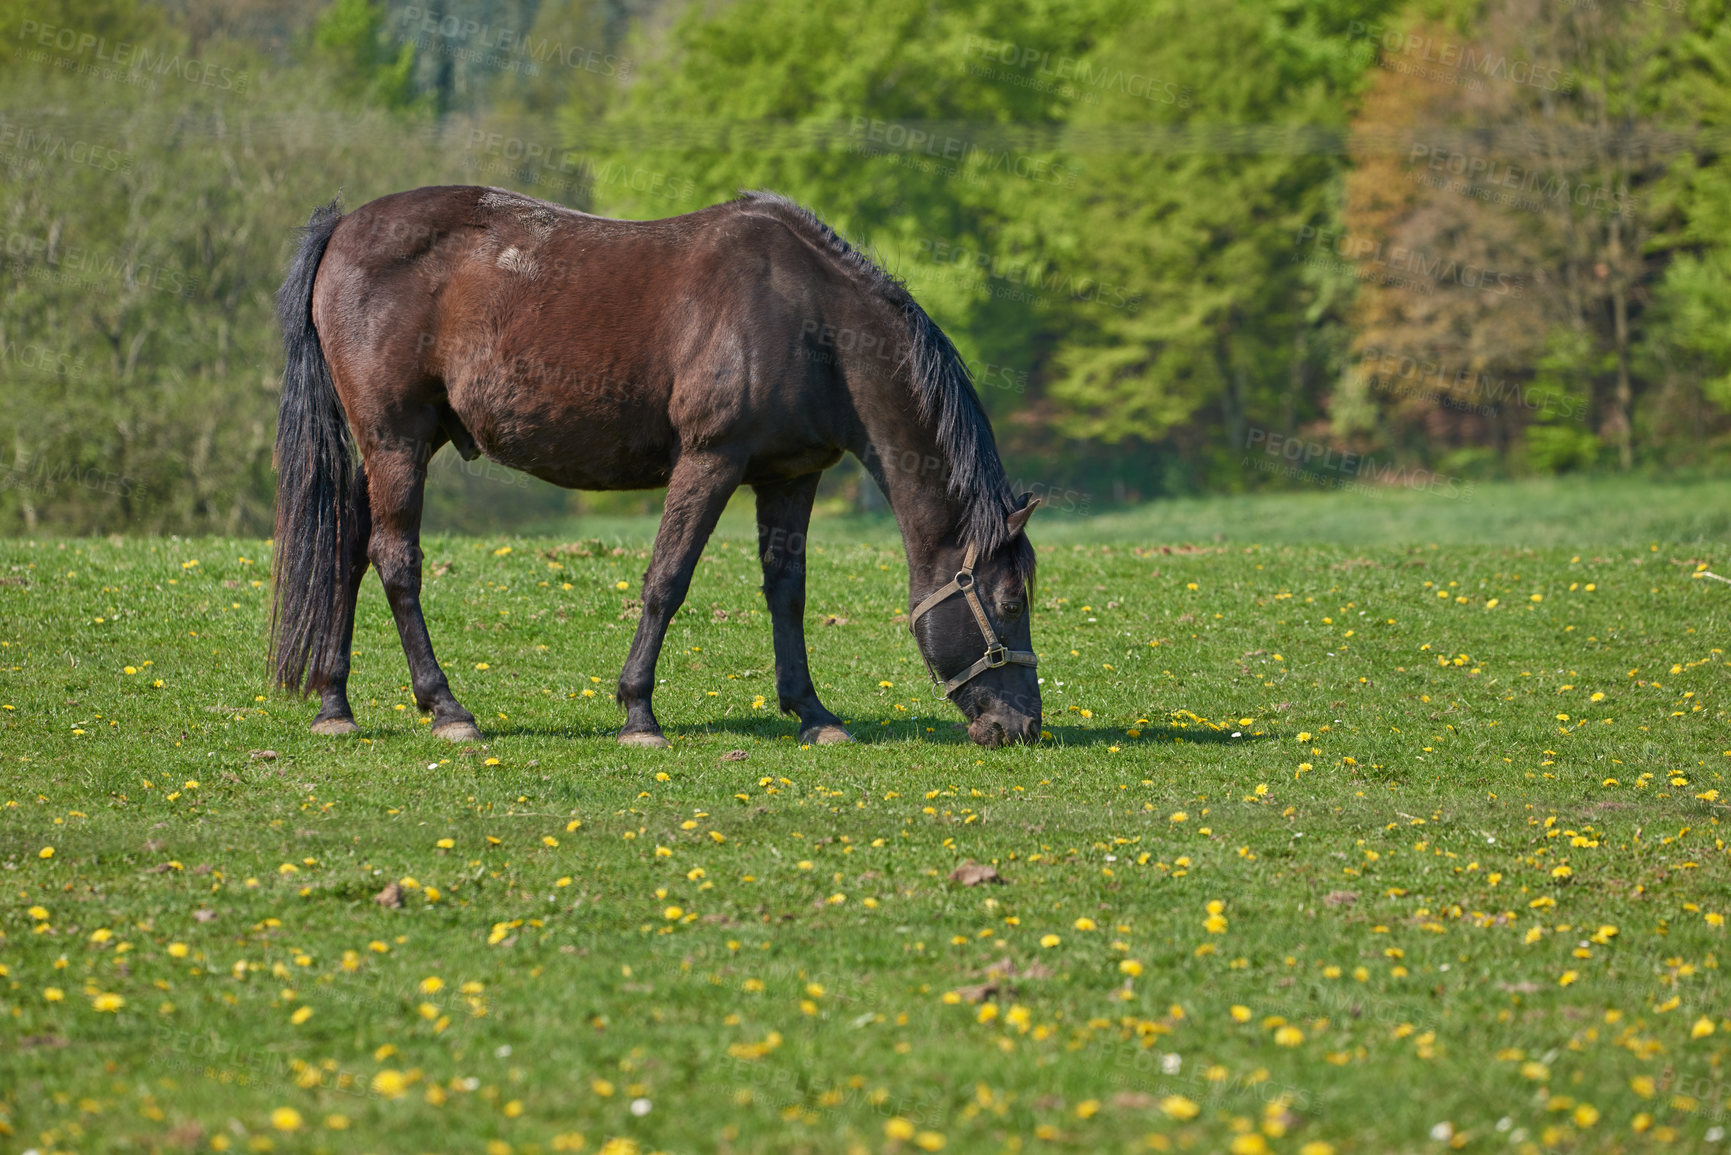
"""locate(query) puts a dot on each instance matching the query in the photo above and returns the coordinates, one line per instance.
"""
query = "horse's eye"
(1012, 609)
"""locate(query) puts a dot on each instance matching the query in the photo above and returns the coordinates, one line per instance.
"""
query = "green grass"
(1566, 512)
(1380, 878)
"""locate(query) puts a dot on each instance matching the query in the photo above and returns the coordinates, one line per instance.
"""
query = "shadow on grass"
(872, 732)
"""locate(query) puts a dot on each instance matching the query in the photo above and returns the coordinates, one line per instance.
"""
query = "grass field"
(1567, 512)
(1367, 847)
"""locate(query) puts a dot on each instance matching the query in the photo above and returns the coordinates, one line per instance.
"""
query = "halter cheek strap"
(996, 653)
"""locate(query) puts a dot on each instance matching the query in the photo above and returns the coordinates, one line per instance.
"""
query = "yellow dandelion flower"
(390, 1083)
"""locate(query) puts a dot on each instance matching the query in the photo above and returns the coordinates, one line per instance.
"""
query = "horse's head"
(972, 627)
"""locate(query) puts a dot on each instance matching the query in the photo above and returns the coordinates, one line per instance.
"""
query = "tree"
(1525, 183)
(1686, 345)
(1211, 218)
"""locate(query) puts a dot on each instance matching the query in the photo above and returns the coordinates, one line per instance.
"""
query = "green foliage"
(144, 246)
(1561, 448)
(1689, 336)
(350, 36)
(1692, 321)
(1208, 235)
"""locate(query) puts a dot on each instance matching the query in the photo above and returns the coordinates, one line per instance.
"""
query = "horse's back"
(585, 350)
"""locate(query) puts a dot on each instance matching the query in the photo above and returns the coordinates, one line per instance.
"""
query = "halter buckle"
(997, 655)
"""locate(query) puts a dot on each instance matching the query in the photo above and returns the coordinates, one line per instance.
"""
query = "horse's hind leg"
(696, 495)
(335, 716)
(396, 481)
(783, 516)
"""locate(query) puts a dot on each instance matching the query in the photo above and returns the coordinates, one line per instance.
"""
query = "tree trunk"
(1295, 379)
(1624, 417)
(1231, 394)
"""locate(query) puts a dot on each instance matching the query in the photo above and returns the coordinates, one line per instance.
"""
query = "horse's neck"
(916, 478)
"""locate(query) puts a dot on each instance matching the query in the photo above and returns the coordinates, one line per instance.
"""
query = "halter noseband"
(996, 653)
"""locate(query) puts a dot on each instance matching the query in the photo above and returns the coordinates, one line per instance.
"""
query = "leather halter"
(996, 653)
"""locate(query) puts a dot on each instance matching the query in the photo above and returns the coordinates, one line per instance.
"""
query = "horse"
(741, 344)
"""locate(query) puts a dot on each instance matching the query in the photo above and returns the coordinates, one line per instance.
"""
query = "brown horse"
(745, 343)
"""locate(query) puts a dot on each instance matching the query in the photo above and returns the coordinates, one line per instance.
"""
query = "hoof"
(458, 731)
(333, 727)
(825, 736)
(642, 738)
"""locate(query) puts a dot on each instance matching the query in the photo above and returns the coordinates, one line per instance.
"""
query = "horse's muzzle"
(991, 729)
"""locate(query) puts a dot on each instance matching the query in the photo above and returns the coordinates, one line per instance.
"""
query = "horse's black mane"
(944, 389)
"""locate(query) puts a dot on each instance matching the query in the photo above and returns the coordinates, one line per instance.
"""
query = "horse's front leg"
(696, 495)
(783, 517)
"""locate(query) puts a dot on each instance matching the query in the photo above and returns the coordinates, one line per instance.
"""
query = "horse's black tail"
(318, 514)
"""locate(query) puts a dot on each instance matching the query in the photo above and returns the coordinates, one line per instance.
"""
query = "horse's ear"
(1018, 521)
